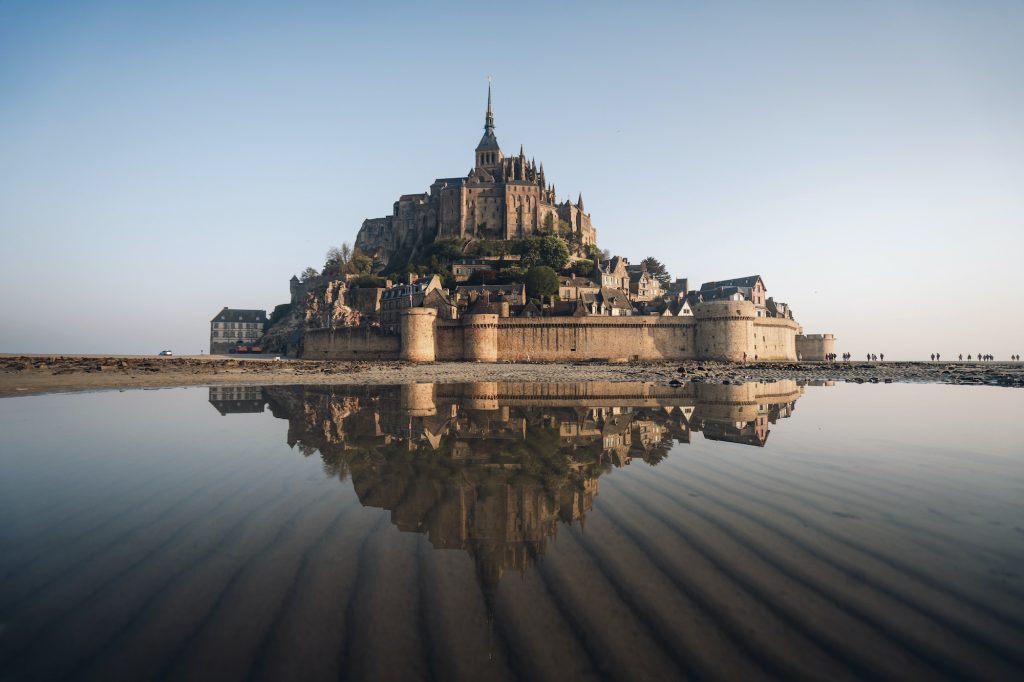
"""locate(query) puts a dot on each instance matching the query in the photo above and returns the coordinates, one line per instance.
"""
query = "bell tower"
(488, 153)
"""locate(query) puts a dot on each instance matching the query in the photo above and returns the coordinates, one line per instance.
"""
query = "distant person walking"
(932, 356)
(938, 357)
(961, 357)
(881, 356)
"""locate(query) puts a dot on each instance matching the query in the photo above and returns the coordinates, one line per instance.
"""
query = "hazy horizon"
(160, 162)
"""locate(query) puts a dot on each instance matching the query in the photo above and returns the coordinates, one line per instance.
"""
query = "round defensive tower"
(725, 330)
(480, 337)
(418, 400)
(828, 344)
(417, 325)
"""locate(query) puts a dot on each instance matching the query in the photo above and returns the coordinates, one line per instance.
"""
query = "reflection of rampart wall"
(720, 330)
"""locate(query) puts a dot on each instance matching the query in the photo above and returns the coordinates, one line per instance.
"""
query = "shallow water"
(501, 531)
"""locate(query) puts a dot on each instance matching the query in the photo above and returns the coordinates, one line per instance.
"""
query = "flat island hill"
(491, 267)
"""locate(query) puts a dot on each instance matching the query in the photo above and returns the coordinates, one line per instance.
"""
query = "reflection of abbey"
(493, 468)
(455, 267)
(502, 197)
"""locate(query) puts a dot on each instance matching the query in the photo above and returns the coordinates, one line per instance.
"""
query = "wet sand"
(24, 375)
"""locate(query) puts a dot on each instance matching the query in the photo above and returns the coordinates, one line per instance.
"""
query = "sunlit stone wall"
(349, 343)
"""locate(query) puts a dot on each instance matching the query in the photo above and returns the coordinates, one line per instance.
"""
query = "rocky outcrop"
(327, 308)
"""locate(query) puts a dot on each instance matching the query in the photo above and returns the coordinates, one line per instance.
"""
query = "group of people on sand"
(876, 357)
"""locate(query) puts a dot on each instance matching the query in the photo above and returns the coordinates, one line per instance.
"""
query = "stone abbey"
(502, 197)
(599, 309)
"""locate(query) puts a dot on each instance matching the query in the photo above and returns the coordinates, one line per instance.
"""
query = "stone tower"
(488, 153)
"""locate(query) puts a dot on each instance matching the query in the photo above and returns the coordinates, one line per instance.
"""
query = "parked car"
(166, 353)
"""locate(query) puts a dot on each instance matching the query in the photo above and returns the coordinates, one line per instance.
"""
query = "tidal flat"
(29, 374)
(622, 530)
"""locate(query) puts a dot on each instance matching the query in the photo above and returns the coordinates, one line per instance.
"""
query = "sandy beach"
(25, 375)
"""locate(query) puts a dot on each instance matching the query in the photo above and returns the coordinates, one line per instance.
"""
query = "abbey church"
(502, 197)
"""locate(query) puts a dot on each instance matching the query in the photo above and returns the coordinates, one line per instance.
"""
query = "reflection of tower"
(418, 400)
(492, 469)
(482, 395)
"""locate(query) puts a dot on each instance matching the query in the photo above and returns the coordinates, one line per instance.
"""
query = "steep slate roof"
(581, 282)
(747, 282)
(637, 275)
(528, 310)
(568, 309)
(239, 315)
(720, 293)
(616, 298)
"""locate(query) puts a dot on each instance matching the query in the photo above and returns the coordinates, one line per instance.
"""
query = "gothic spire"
(579, 202)
(488, 143)
(489, 118)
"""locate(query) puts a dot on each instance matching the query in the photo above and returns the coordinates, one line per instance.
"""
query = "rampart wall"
(349, 343)
(595, 338)
(815, 347)
(728, 330)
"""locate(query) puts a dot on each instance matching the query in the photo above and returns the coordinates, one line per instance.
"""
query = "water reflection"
(492, 468)
(513, 531)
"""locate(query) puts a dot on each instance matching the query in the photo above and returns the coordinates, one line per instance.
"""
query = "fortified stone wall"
(349, 343)
(448, 340)
(721, 330)
(597, 338)
(775, 338)
(815, 346)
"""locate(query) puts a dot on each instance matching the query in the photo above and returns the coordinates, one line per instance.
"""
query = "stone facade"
(815, 346)
(502, 197)
(233, 327)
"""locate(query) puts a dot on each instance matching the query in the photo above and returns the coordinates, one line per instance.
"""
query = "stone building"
(643, 286)
(233, 327)
(502, 197)
(513, 294)
(750, 288)
(410, 295)
(572, 287)
(613, 273)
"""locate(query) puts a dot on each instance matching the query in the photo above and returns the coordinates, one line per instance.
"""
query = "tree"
(339, 255)
(308, 274)
(369, 281)
(549, 223)
(658, 270)
(511, 275)
(358, 263)
(583, 268)
(541, 281)
(548, 250)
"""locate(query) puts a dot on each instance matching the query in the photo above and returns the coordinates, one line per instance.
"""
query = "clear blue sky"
(161, 160)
